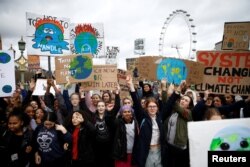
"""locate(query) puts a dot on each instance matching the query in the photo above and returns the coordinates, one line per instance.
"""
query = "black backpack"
(102, 132)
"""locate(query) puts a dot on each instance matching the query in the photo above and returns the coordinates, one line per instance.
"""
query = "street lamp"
(21, 61)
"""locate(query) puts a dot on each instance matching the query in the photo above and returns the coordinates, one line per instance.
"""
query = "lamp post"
(22, 61)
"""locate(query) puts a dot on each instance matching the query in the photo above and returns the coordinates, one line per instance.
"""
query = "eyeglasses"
(152, 107)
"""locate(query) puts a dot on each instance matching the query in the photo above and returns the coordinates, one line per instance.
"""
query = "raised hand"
(61, 128)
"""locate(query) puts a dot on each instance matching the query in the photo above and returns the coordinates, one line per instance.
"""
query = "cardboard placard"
(105, 78)
(147, 67)
(74, 68)
(174, 70)
(225, 72)
(236, 36)
(121, 77)
(33, 62)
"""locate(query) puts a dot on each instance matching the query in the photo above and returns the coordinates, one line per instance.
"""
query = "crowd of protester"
(86, 129)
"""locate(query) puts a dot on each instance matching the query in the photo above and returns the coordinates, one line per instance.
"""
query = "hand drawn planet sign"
(174, 70)
(232, 138)
(81, 67)
(4, 59)
(49, 37)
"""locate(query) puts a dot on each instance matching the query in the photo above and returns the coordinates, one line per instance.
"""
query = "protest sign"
(74, 68)
(47, 35)
(147, 67)
(212, 136)
(121, 77)
(105, 78)
(236, 36)
(176, 70)
(40, 88)
(7, 73)
(225, 72)
(33, 62)
(87, 39)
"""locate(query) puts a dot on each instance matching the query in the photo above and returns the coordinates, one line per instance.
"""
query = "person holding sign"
(125, 137)
(150, 145)
(104, 123)
(200, 109)
(178, 109)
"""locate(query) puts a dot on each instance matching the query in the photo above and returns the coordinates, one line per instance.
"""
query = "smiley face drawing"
(232, 138)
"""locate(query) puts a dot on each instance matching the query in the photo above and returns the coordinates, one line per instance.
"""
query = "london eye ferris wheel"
(186, 40)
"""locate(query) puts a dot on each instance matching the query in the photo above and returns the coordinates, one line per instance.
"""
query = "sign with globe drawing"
(157, 68)
(176, 70)
(87, 38)
(74, 68)
(47, 35)
(227, 135)
(7, 74)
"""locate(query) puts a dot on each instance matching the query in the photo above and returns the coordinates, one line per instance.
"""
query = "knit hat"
(126, 108)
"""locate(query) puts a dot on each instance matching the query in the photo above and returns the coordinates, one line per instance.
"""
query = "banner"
(225, 72)
(87, 38)
(217, 135)
(236, 36)
(47, 35)
(105, 78)
(74, 68)
(7, 73)
(33, 62)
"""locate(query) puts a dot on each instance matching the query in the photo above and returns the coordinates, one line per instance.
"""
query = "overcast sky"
(126, 20)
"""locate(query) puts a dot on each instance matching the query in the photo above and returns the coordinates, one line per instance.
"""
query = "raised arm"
(139, 112)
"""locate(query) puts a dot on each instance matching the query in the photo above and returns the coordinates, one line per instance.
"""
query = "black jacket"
(120, 140)
(6, 142)
(85, 142)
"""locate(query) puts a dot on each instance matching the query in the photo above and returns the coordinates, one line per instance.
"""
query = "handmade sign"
(40, 88)
(7, 73)
(87, 38)
(111, 54)
(47, 35)
(121, 77)
(147, 66)
(217, 137)
(74, 68)
(236, 36)
(105, 78)
(33, 62)
(225, 72)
